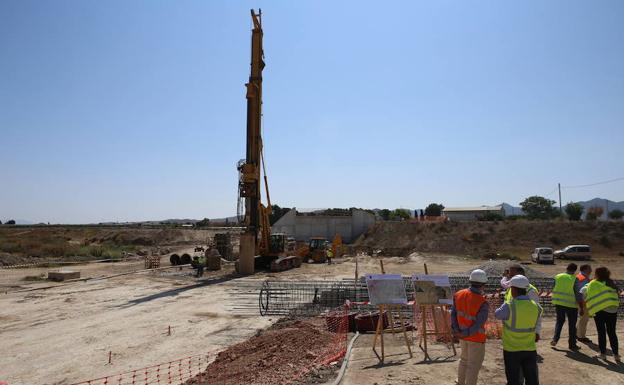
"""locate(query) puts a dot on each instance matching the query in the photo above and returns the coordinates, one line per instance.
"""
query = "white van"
(543, 255)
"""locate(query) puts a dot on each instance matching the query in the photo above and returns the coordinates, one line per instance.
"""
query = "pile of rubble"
(276, 356)
(497, 268)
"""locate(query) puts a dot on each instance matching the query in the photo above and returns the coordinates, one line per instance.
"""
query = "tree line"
(537, 207)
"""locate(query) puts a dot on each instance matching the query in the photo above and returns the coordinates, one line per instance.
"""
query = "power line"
(595, 184)
(552, 192)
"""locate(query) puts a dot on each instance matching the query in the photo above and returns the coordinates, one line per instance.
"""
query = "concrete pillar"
(247, 253)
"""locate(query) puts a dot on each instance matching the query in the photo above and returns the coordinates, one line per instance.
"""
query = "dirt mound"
(273, 357)
(482, 238)
(497, 268)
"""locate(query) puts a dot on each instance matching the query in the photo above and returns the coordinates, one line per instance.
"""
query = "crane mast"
(250, 170)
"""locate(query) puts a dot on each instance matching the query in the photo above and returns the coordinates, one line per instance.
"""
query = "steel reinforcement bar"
(307, 298)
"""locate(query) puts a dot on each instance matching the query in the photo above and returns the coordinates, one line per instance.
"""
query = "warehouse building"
(471, 213)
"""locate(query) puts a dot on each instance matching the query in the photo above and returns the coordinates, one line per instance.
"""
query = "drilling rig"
(258, 247)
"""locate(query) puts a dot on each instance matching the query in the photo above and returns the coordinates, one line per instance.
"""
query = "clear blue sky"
(118, 110)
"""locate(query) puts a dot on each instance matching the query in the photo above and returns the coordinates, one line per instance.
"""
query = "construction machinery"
(258, 247)
(315, 249)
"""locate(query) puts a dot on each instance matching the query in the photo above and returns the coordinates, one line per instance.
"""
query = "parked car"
(579, 252)
(543, 255)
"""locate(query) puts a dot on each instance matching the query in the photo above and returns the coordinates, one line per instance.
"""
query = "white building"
(471, 213)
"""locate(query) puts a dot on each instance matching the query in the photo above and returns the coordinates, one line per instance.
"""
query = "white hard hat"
(479, 276)
(519, 281)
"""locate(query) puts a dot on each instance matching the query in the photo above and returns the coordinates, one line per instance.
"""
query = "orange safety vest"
(467, 305)
(582, 277)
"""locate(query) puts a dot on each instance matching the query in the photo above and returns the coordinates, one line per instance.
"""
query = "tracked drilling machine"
(258, 247)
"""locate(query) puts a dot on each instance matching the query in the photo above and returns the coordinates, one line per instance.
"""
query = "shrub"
(555, 240)
(574, 211)
(96, 251)
(537, 207)
(616, 214)
(477, 237)
(490, 217)
(434, 209)
(606, 242)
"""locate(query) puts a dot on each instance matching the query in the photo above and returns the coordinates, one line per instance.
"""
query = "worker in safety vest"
(329, 254)
(602, 302)
(199, 263)
(522, 324)
(468, 316)
(514, 270)
(568, 301)
(581, 325)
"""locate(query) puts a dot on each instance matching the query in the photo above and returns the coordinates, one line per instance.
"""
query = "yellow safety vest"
(519, 329)
(600, 297)
(508, 296)
(563, 293)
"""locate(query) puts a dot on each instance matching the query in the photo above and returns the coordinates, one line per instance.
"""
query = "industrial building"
(302, 226)
(471, 213)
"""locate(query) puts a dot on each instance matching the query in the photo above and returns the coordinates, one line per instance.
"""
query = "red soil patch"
(276, 356)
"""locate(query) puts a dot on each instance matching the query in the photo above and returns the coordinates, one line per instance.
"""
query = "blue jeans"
(562, 313)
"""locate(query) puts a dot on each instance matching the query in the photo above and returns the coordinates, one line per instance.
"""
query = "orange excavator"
(259, 249)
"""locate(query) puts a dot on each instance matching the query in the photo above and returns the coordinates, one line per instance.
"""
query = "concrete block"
(60, 276)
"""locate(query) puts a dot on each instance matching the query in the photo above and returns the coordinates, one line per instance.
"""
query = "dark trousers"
(562, 313)
(200, 271)
(521, 364)
(605, 324)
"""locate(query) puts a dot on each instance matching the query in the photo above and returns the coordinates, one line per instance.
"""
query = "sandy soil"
(557, 366)
(436, 263)
(63, 334)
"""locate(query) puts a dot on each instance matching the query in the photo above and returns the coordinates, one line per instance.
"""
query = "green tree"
(10, 222)
(594, 213)
(400, 214)
(385, 214)
(434, 209)
(574, 211)
(203, 223)
(537, 207)
(616, 214)
(276, 213)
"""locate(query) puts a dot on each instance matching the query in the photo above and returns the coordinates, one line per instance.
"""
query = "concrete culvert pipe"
(175, 260)
(185, 259)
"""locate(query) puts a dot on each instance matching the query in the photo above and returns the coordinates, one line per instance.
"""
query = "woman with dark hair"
(602, 301)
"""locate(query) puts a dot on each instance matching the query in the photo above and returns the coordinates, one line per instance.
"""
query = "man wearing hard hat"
(468, 316)
(522, 324)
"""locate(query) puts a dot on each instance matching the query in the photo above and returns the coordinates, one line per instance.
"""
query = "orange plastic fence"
(178, 372)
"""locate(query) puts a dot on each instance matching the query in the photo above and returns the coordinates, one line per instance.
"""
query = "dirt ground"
(64, 334)
(556, 365)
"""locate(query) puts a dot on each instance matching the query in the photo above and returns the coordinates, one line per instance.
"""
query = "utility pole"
(560, 209)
